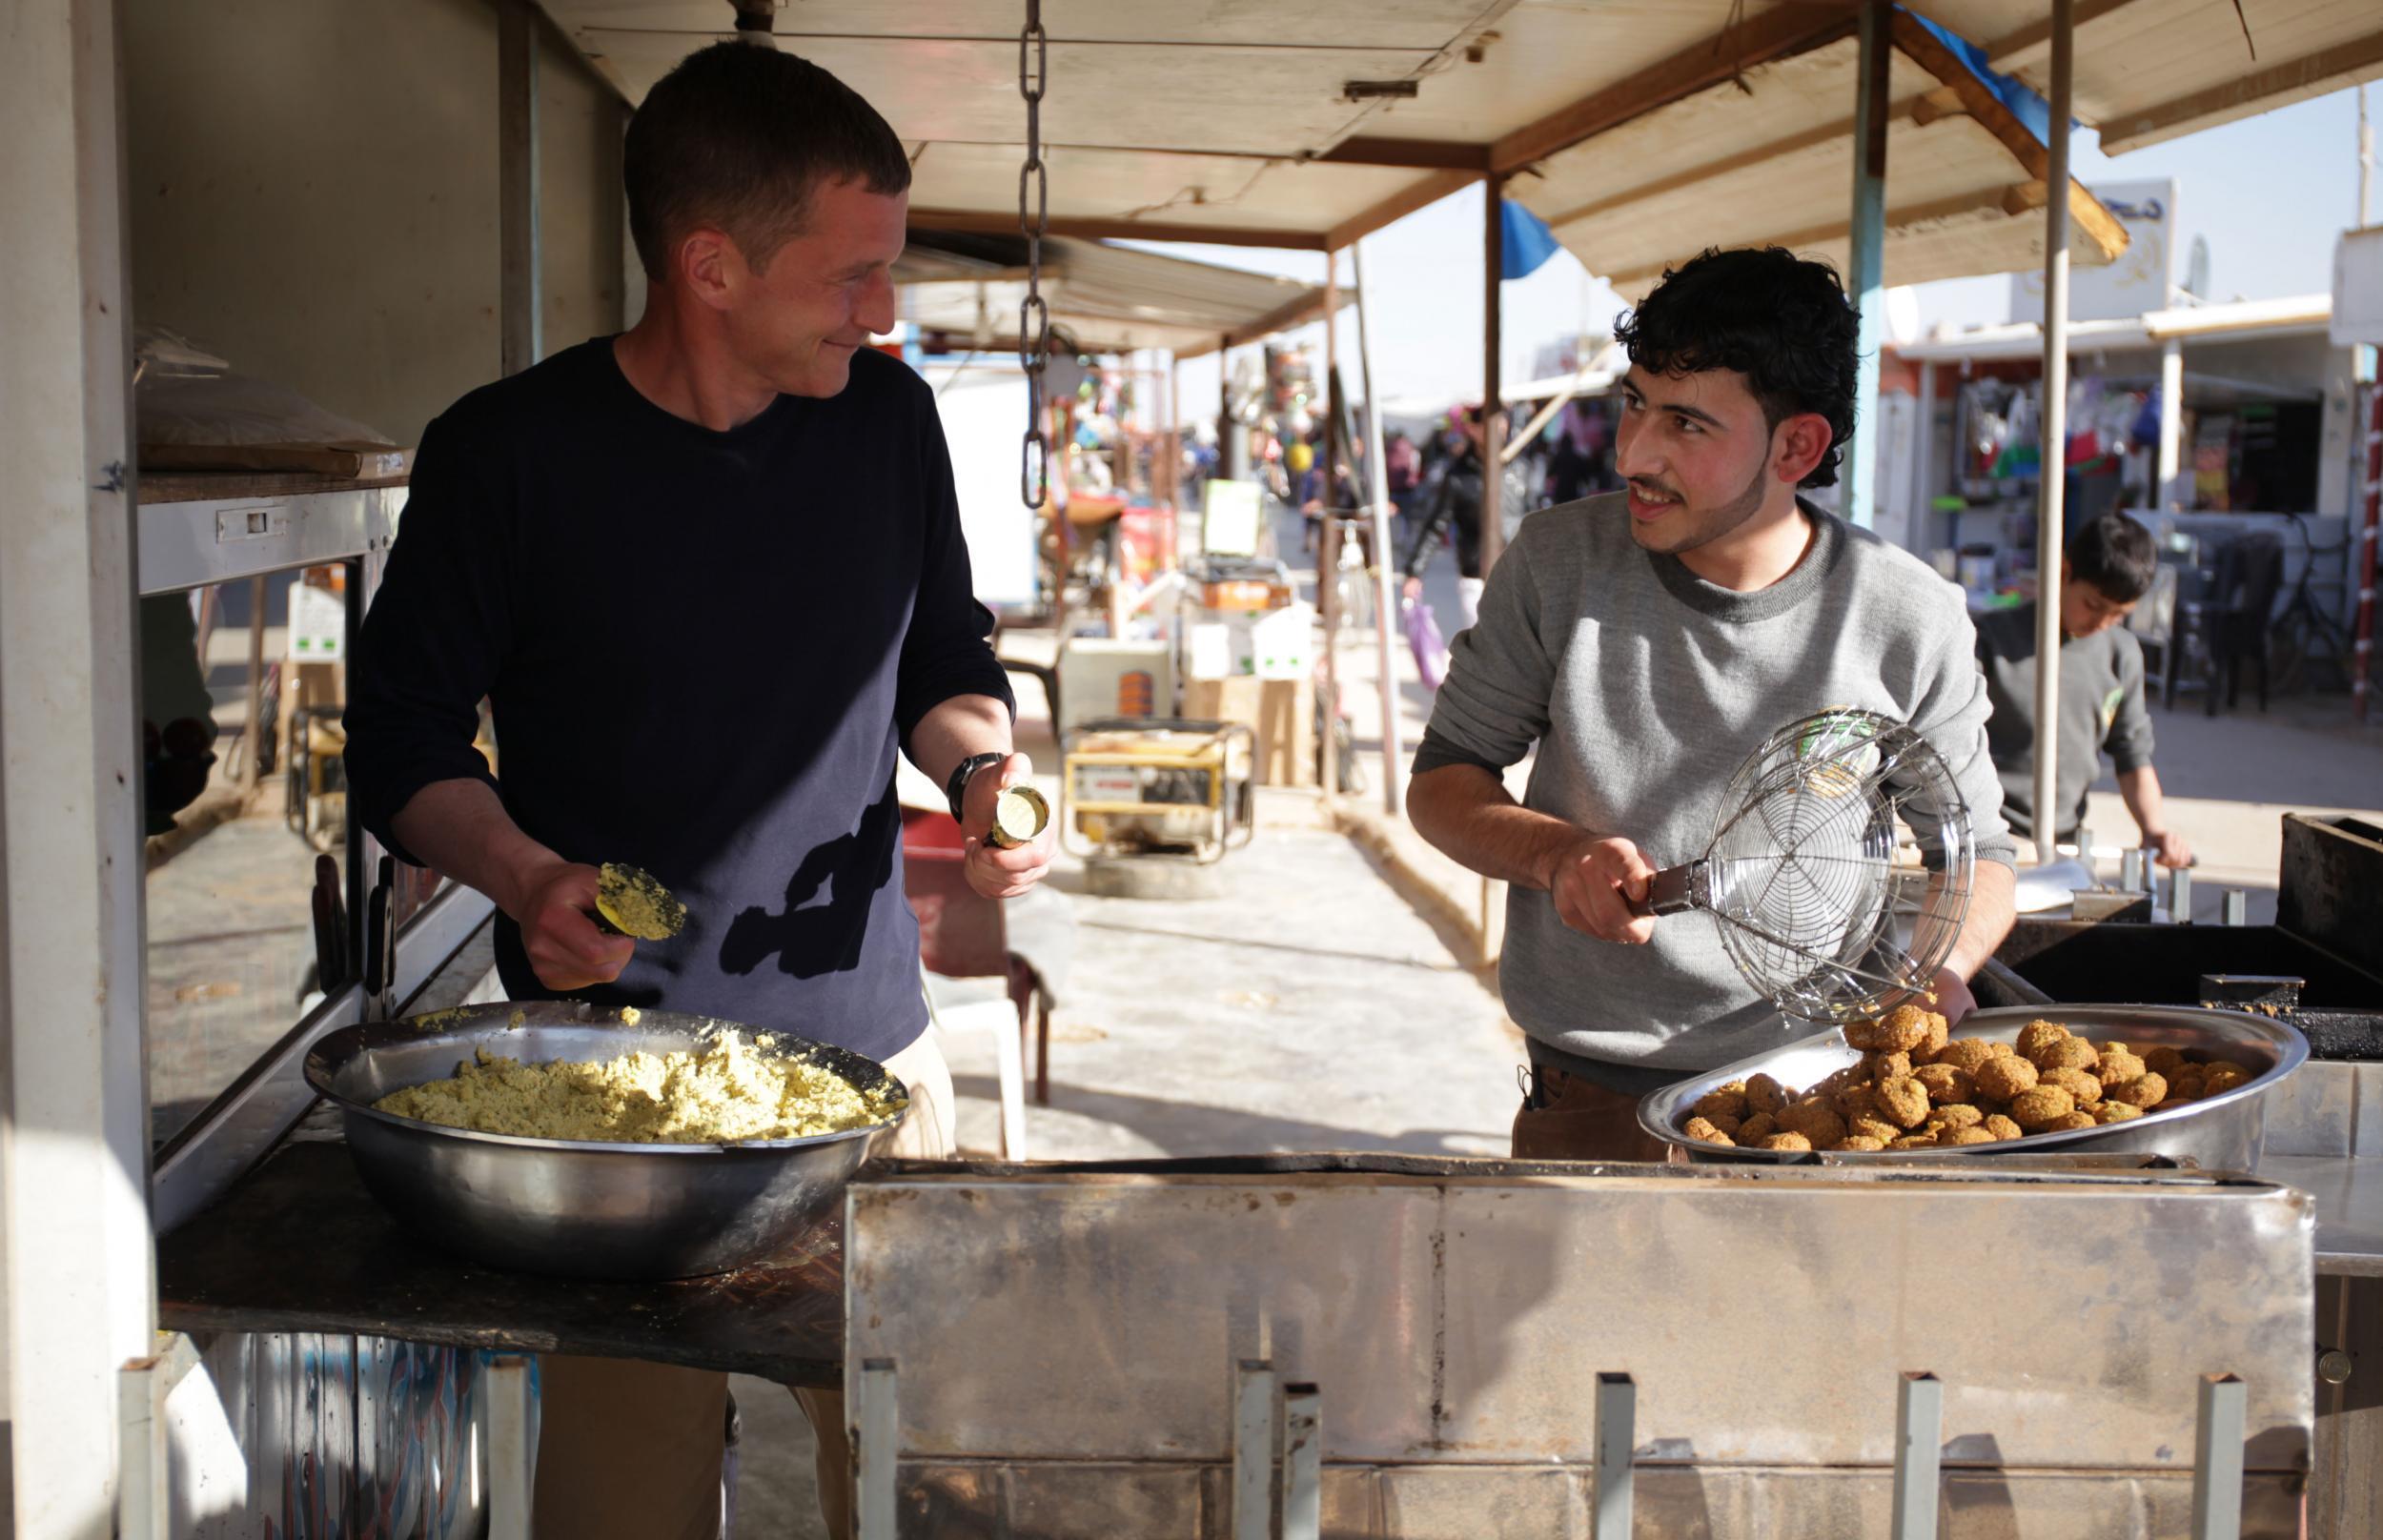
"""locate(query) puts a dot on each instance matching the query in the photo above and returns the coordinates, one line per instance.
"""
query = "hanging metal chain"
(1033, 218)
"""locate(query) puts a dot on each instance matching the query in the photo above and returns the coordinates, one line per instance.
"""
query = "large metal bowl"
(576, 1208)
(2223, 1133)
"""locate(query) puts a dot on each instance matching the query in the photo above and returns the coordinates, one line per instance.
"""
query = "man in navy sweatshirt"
(709, 576)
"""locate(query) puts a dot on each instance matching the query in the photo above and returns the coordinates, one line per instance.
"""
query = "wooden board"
(299, 1246)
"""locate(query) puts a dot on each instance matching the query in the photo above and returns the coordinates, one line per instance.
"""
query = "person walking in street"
(709, 574)
(1455, 511)
(2106, 570)
(1645, 643)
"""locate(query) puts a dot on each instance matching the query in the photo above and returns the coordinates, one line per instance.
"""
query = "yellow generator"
(1157, 786)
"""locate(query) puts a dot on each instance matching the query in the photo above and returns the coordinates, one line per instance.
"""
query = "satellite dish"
(2197, 268)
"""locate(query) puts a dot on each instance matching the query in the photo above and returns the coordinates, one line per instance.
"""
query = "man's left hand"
(2168, 849)
(1953, 999)
(997, 871)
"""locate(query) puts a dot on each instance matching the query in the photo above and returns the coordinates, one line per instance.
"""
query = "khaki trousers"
(631, 1450)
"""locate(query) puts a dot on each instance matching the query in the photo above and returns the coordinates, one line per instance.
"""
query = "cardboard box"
(1280, 712)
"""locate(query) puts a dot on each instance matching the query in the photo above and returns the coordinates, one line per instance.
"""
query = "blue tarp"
(2030, 109)
(1528, 243)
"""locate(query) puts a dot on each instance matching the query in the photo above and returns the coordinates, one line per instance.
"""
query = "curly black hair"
(2115, 555)
(1780, 319)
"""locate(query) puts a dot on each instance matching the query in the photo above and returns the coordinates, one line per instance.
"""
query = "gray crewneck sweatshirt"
(1645, 687)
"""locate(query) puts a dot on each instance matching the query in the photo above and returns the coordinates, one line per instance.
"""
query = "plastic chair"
(2221, 631)
(965, 952)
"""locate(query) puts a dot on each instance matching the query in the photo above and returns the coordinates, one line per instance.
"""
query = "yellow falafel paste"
(728, 1089)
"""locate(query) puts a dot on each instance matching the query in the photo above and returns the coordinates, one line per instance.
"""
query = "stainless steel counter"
(2349, 1194)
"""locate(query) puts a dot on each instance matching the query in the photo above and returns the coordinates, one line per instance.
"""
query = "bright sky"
(2269, 194)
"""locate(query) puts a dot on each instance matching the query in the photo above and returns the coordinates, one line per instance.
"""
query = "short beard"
(1722, 521)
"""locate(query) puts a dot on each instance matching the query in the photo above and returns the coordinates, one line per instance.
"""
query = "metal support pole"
(1230, 464)
(145, 1494)
(2051, 510)
(1616, 1438)
(1865, 258)
(2236, 907)
(253, 731)
(512, 1458)
(1919, 1449)
(876, 1443)
(520, 288)
(1919, 532)
(1253, 1399)
(2166, 492)
(2371, 531)
(2217, 1459)
(1493, 342)
(1385, 598)
(1302, 1462)
(1328, 546)
(2180, 895)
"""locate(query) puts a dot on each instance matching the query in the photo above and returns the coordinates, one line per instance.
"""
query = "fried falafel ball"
(2080, 1118)
(1940, 1033)
(1853, 1101)
(2041, 1107)
(2037, 1035)
(1703, 1130)
(2162, 1059)
(1965, 1054)
(2004, 1077)
(2002, 1050)
(2224, 1076)
(1906, 1028)
(2145, 1090)
(1815, 1119)
(1972, 1135)
(1724, 1100)
(1864, 1034)
(1914, 1141)
(1903, 1100)
(1757, 1128)
(1763, 1094)
(1873, 1127)
(2082, 1084)
(2001, 1126)
(1945, 1083)
(2109, 1113)
(1786, 1141)
(2068, 1053)
(1859, 1142)
(1957, 1115)
(2117, 1066)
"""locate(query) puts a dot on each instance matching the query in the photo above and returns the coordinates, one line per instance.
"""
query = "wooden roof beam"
(1420, 195)
(1772, 35)
(2018, 198)
(2297, 80)
(1308, 307)
(2090, 221)
(1921, 110)
(1418, 154)
(986, 221)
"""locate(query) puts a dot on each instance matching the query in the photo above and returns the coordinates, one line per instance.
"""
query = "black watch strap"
(962, 774)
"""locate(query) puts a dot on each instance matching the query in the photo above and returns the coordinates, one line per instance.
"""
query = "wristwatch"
(956, 788)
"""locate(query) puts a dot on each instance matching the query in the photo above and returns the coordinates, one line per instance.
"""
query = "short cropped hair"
(737, 136)
(2115, 555)
(1780, 321)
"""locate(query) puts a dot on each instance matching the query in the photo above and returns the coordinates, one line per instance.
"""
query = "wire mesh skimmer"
(1802, 874)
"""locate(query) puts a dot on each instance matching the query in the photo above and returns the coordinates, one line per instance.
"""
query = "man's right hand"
(566, 951)
(1597, 884)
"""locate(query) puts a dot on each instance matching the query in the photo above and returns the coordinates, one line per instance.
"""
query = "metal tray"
(2221, 1133)
(581, 1208)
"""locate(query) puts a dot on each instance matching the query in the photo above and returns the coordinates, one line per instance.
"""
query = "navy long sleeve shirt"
(703, 651)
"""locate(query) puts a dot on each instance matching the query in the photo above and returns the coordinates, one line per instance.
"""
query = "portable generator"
(1157, 786)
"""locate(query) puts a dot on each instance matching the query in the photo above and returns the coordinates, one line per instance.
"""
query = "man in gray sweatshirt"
(1647, 641)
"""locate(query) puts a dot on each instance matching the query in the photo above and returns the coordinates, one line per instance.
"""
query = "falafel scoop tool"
(1802, 875)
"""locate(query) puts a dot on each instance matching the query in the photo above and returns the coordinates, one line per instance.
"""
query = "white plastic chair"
(963, 1006)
